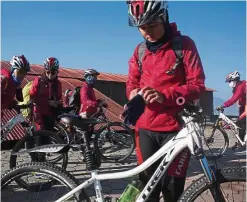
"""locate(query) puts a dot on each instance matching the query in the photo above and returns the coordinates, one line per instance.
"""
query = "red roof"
(112, 112)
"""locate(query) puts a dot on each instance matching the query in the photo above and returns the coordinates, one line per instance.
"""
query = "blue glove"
(134, 109)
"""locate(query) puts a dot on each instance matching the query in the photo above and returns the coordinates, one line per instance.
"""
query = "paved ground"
(114, 188)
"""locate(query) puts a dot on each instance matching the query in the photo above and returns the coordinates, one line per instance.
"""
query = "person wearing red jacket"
(46, 93)
(11, 81)
(89, 103)
(239, 95)
(159, 121)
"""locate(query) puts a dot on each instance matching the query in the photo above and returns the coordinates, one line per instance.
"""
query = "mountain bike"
(115, 139)
(190, 137)
(218, 139)
(28, 141)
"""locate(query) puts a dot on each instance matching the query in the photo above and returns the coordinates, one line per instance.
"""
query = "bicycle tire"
(54, 171)
(224, 148)
(18, 146)
(64, 138)
(230, 174)
(128, 132)
(64, 135)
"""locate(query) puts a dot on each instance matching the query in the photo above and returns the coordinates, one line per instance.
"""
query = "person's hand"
(219, 108)
(83, 115)
(133, 93)
(53, 103)
(151, 95)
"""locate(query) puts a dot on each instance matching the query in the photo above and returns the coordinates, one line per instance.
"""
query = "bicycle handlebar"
(220, 110)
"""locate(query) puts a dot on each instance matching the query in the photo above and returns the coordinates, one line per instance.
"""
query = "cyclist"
(11, 81)
(46, 92)
(159, 121)
(89, 103)
(239, 95)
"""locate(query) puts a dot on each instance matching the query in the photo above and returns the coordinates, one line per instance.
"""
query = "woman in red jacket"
(239, 95)
(161, 85)
(11, 81)
(46, 92)
(89, 103)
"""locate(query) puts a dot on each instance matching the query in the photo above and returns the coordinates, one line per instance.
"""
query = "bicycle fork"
(212, 176)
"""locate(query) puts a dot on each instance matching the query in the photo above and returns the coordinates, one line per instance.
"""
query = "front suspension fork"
(213, 177)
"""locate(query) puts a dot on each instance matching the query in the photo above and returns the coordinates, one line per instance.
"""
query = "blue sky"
(97, 35)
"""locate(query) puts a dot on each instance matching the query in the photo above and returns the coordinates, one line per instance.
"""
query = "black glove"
(134, 109)
(219, 108)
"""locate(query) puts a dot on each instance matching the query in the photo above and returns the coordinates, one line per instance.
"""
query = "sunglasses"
(51, 72)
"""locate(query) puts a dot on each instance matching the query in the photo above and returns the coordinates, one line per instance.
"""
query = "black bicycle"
(29, 141)
(116, 140)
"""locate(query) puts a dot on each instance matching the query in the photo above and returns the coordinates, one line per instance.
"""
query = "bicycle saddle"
(76, 120)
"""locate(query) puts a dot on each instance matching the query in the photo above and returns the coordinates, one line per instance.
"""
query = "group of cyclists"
(159, 82)
(45, 92)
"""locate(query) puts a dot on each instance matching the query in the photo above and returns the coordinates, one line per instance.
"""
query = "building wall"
(117, 92)
(206, 102)
(114, 90)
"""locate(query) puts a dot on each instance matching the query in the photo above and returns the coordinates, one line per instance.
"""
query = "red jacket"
(42, 91)
(238, 95)
(8, 89)
(88, 99)
(187, 82)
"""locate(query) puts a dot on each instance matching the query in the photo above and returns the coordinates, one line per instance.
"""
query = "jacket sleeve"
(236, 96)
(59, 93)
(134, 76)
(34, 91)
(4, 83)
(194, 77)
(86, 100)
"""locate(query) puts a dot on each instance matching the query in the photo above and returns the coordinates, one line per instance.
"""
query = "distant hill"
(233, 110)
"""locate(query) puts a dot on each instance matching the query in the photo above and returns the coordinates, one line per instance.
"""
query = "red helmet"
(51, 64)
(144, 12)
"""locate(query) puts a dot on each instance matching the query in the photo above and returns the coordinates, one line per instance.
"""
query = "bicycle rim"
(232, 183)
(119, 142)
(64, 183)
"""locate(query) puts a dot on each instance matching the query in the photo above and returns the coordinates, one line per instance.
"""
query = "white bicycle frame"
(234, 128)
(189, 137)
(7, 127)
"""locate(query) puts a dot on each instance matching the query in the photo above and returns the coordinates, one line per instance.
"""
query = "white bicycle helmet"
(144, 12)
(233, 76)
(20, 63)
(92, 72)
(51, 64)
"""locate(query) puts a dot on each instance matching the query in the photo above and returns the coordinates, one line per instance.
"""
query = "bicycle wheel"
(216, 142)
(233, 178)
(115, 142)
(64, 183)
(38, 157)
(62, 133)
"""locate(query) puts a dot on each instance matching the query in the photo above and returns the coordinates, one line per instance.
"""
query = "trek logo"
(155, 177)
(182, 161)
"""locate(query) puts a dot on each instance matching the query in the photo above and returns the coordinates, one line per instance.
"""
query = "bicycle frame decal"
(206, 169)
